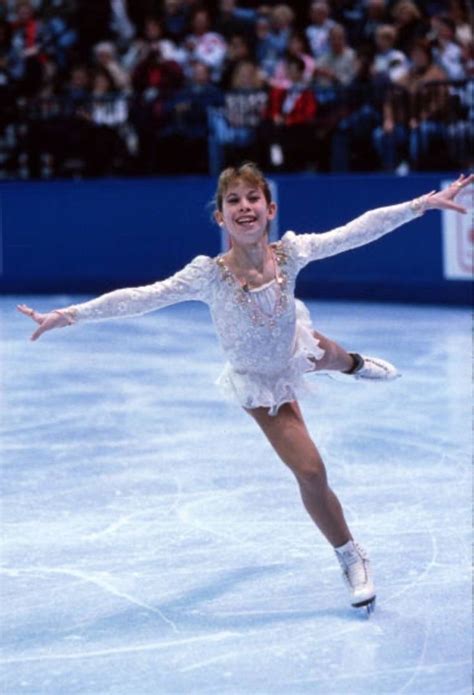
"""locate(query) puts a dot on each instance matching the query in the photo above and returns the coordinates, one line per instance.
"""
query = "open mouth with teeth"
(245, 221)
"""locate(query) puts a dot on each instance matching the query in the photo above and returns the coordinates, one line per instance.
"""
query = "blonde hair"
(282, 14)
(406, 5)
(247, 172)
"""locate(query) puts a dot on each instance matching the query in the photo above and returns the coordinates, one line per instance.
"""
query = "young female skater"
(267, 334)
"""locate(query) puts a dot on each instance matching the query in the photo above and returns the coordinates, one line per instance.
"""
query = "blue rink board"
(152, 542)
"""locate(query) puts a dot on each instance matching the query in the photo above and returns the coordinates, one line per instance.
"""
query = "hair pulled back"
(247, 172)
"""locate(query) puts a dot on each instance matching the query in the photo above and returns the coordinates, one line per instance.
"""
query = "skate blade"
(368, 606)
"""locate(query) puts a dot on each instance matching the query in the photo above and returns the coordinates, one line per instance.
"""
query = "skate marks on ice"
(154, 544)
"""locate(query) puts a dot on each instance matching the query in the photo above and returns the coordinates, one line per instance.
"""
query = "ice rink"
(153, 543)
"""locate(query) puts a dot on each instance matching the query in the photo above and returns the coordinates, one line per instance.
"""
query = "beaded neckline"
(243, 294)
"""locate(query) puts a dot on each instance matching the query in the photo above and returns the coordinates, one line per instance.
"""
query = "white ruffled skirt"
(252, 390)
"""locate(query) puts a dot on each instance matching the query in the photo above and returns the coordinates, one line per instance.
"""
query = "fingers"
(456, 188)
(39, 331)
(46, 325)
(24, 309)
(28, 311)
(455, 207)
(462, 182)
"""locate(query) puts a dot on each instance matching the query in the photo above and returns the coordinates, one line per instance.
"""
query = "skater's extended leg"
(288, 435)
(335, 358)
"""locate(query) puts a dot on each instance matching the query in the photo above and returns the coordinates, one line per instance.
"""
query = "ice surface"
(153, 543)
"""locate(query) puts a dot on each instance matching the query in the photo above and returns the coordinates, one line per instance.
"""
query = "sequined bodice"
(253, 339)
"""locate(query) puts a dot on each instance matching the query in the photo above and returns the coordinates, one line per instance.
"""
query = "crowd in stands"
(147, 86)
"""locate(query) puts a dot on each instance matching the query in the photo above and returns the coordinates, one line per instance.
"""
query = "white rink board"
(458, 238)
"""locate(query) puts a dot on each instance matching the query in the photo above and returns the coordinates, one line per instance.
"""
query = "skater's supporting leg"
(288, 435)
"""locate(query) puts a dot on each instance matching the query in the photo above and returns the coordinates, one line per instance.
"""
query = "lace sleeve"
(192, 282)
(368, 227)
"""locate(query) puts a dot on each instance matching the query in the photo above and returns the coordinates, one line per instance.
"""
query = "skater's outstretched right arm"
(192, 282)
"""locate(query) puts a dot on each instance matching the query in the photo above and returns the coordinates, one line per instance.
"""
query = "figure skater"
(267, 334)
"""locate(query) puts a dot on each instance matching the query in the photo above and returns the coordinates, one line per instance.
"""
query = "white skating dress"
(265, 333)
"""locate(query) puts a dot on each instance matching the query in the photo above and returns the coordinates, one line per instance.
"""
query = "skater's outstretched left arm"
(374, 224)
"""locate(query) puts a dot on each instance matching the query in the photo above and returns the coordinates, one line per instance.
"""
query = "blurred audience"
(168, 68)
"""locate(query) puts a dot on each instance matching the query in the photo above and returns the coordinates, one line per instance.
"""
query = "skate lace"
(354, 566)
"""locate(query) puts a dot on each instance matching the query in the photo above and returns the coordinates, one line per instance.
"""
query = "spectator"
(282, 18)
(176, 18)
(289, 129)
(77, 89)
(155, 80)
(58, 37)
(109, 107)
(26, 26)
(317, 32)
(459, 13)
(246, 101)
(247, 77)
(375, 15)
(238, 49)
(297, 46)
(102, 148)
(152, 37)
(409, 24)
(105, 55)
(139, 11)
(336, 66)
(266, 51)
(204, 45)
(156, 75)
(233, 20)
(182, 140)
(235, 127)
(423, 70)
(352, 138)
(25, 65)
(446, 51)
(389, 62)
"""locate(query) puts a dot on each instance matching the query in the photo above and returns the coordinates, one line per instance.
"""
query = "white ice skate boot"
(357, 574)
(372, 368)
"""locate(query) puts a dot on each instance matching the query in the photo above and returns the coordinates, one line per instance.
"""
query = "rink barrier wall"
(93, 236)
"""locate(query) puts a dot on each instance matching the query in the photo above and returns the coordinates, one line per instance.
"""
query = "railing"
(430, 129)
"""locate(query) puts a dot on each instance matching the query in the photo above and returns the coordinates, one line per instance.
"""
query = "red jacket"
(296, 105)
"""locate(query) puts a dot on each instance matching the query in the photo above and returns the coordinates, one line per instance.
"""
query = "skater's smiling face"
(245, 208)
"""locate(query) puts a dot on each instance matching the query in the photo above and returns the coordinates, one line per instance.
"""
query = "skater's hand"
(46, 321)
(444, 200)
